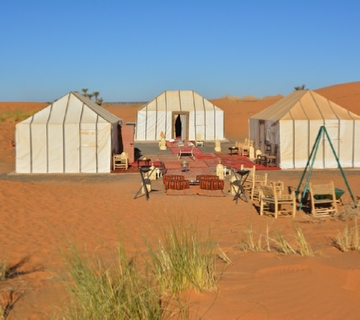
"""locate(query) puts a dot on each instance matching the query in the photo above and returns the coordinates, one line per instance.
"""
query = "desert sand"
(41, 213)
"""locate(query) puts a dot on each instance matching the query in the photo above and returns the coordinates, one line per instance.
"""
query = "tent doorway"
(262, 136)
(180, 124)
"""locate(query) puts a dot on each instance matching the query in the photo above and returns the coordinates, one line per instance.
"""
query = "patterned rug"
(204, 156)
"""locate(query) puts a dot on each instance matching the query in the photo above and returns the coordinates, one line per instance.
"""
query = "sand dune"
(40, 213)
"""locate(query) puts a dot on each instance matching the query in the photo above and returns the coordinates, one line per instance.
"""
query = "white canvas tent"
(292, 124)
(72, 135)
(185, 107)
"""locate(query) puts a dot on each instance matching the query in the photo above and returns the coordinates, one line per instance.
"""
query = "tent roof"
(58, 111)
(305, 105)
(179, 100)
(96, 108)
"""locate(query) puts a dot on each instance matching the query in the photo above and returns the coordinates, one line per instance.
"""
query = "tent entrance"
(180, 125)
(262, 136)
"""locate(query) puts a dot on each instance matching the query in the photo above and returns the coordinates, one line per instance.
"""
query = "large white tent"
(71, 135)
(192, 113)
(292, 125)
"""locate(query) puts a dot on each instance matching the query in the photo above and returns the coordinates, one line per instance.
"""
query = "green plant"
(184, 259)
(119, 291)
(349, 239)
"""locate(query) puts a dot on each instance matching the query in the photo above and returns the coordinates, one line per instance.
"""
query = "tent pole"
(340, 167)
(311, 158)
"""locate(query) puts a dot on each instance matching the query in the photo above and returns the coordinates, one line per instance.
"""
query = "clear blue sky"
(134, 50)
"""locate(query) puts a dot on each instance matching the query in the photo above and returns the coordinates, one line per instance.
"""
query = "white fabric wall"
(297, 138)
(356, 144)
(60, 140)
(156, 116)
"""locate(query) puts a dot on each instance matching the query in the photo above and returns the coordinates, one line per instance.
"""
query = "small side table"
(145, 180)
(144, 161)
(234, 150)
(239, 182)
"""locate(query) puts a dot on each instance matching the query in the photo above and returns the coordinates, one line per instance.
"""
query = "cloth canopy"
(179, 113)
(290, 127)
(71, 135)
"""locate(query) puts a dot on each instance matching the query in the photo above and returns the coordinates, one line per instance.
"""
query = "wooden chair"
(199, 140)
(249, 183)
(259, 181)
(273, 203)
(279, 186)
(121, 161)
(253, 184)
(323, 199)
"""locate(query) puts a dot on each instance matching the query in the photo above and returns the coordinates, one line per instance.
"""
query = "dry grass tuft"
(277, 243)
(348, 213)
(248, 242)
(349, 239)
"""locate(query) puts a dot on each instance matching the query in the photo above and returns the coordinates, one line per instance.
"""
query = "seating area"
(246, 180)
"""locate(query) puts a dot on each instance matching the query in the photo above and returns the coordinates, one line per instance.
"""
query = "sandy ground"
(40, 214)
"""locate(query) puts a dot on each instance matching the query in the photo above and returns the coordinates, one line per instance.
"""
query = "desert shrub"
(120, 291)
(185, 258)
(277, 242)
(349, 239)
